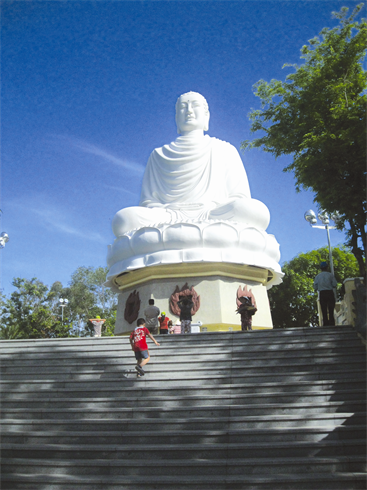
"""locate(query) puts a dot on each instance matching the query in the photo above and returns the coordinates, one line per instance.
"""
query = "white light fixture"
(4, 238)
(310, 216)
(323, 216)
(63, 302)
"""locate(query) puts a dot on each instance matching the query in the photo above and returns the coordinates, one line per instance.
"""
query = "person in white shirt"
(325, 283)
(97, 324)
(151, 314)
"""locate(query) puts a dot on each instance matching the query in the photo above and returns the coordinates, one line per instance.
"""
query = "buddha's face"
(191, 113)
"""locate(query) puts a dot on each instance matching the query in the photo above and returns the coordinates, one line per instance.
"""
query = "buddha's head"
(192, 113)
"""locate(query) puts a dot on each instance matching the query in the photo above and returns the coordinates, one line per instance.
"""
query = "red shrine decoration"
(132, 307)
(184, 292)
(244, 293)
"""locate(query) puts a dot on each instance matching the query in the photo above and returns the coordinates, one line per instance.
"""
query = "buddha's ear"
(206, 127)
(178, 129)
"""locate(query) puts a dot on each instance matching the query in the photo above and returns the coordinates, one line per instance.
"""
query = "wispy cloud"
(121, 189)
(49, 218)
(56, 218)
(106, 155)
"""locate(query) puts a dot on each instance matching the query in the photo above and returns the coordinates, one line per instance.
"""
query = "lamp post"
(63, 303)
(310, 217)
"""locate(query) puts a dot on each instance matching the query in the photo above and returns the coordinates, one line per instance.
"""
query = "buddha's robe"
(193, 179)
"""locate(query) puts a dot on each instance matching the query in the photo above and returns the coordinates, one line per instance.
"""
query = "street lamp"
(4, 238)
(310, 216)
(63, 303)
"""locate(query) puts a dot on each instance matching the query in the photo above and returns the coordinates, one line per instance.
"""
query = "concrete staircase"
(281, 409)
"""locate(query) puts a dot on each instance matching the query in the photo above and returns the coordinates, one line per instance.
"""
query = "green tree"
(28, 313)
(88, 298)
(10, 332)
(33, 310)
(318, 115)
(293, 303)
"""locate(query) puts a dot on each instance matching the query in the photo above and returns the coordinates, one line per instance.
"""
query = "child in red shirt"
(139, 345)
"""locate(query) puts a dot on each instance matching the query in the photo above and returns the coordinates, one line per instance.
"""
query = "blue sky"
(88, 91)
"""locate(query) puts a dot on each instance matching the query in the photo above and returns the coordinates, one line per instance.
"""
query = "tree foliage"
(33, 310)
(318, 115)
(28, 313)
(293, 303)
(88, 298)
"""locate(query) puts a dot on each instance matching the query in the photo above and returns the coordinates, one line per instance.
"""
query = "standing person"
(325, 283)
(185, 305)
(246, 309)
(138, 342)
(97, 324)
(163, 323)
(176, 328)
(151, 314)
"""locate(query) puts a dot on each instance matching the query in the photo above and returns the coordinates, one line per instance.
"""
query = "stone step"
(255, 373)
(224, 338)
(172, 467)
(164, 368)
(162, 357)
(37, 368)
(88, 423)
(126, 421)
(265, 409)
(160, 352)
(184, 345)
(203, 336)
(52, 363)
(301, 356)
(167, 387)
(180, 397)
(174, 363)
(255, 382)
(204, 355)
(185, 436)
(156, 400)
(133, 385)
(179, 451)
(248, 412)
(305, 481)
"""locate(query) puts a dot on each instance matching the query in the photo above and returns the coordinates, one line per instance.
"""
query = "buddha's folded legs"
(128, 219)
(249, 211)
(245, 211)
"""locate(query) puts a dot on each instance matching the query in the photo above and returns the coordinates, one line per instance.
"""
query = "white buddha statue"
(195, 206)
(195, 178)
